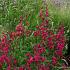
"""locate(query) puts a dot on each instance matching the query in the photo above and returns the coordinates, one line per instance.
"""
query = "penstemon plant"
(40, 49)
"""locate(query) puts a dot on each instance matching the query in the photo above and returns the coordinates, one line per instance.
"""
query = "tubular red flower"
(36, 33)
(54, 60)
(47, 14)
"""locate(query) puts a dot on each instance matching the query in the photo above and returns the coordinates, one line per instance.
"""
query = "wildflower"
(37, 58)
(43, 59)
(4, 40)
(15, 61)
(54, 60)
(47, 12)
(60, 46)
(2, 58)
(28, 54)
(12, 35)
(5, 50)
(38, 49)
(36, 33)
(0, 65)
(44, 35)
(19, 33)
(21, 68)
(9, 67)
(19, 29)
(37, 26)
(50, 43)
(43, 67)
(41, 12)
(30, 60)
(59, 53)
(7, 59)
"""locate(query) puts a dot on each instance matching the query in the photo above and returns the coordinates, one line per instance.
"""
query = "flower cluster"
(51, 42)
(19, 28)
(60, 41)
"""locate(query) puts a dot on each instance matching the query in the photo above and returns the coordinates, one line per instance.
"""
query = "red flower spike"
(47, 14)
(54, 60)
(7, 59)
(12, 35)
(19, 29)
(5, 50)
(41, 12)
(50, 43)
(15, 61)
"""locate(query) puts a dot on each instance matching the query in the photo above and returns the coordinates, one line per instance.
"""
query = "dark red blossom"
(36, 33)
(19, 29)
(15, 61)
(54, 60)
(50, 43)
(5, 50)
(21, 68)
(9, 67)
(12, 35)
(0, 65)
(39, 49)
(43, 67)
(59, 53)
